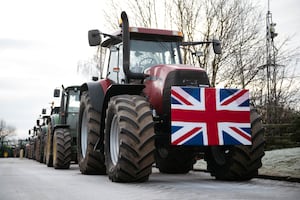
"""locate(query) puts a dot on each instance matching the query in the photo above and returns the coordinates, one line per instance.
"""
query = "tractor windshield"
(144, 54)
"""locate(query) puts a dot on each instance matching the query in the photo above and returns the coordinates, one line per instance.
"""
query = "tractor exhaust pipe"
(126, 50)
(126, 47)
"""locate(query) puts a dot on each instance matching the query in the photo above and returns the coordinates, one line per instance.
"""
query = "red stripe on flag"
(247, 137)
(207, 117)
(212, 119)
(188, 134)
(234, 97)
(174, 93)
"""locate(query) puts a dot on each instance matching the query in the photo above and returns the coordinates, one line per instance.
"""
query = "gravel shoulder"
(280, 162)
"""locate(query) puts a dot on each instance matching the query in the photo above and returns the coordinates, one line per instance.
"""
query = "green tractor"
(20, 146)
(41, 129)
(30, 148)
(61, 142)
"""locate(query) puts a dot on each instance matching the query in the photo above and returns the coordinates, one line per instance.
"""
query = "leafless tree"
(6, 130)
(111, 13)
(146, 12)
(89, 68)
(239, 24)
(185, 15)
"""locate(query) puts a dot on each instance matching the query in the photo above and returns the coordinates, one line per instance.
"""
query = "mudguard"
(54, 120)
(124, 89)
(100, 93)
(61, 126)
(96, 93)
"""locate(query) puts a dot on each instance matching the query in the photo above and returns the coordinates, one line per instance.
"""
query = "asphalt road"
(29, 180)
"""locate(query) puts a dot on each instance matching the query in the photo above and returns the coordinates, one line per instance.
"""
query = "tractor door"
(63, 105)
(72, 109)
(114, 63)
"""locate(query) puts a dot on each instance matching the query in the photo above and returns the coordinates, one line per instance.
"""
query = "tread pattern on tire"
(38, 152)
(48, 148)
(93, 162)
(136, 136)
(62, 142)
(242, 161)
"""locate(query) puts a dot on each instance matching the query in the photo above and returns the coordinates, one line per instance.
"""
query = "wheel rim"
(114, 140)
(84, 133)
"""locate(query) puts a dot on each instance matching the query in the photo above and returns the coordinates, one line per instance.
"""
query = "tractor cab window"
(115, 66)
(73, 109)
(74, 102)
(145, 54)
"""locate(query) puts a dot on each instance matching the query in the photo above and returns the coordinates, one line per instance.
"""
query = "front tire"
(241, 162)
(89, 160)
(129, 139)
(62, 153)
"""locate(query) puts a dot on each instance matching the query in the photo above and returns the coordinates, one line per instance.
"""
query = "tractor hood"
(160, 78)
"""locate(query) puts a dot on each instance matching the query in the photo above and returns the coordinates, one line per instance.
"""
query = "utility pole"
(271, 101)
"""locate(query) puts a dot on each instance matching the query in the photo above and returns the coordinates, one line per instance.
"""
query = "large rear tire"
(174, 161)
(129, 139)
(238, 163)
(45, 148)
(62, 154)
(43, 145)
(38, 152)
(89, 160)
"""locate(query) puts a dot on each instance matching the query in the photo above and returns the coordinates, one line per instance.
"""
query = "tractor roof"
(146, 34)
(72, 87)
(151, 31)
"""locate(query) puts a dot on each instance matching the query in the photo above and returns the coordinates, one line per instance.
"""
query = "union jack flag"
(210, 116)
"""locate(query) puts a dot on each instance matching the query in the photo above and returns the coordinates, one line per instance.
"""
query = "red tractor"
(150, 108)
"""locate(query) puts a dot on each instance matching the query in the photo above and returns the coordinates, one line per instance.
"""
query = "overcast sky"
(41, 42)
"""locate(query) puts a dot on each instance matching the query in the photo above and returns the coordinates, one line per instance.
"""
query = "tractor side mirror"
(56, 93)
(44, 111)
(217, 46)
(94, 37)
(95, 78)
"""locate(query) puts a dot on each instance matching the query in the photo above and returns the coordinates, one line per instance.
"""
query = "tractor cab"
(147, 48)
(133, 50)
(69, 105)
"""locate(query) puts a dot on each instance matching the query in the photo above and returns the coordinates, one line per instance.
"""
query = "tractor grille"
(182, 78)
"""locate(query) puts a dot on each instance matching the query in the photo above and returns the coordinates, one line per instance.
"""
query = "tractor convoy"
(147, 110)
(61, 136)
